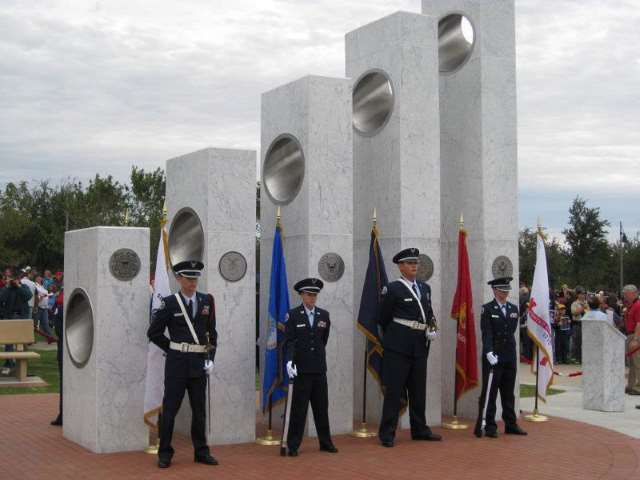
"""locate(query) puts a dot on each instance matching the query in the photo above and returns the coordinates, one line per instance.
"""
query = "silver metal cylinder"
(186, 237)
(455, 42)
(79, 328)
(373, 100)
(283, 169)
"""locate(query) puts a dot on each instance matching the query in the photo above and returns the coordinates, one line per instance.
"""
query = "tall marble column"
(106, 316)
(396, 145)
(211, 202)
(478, 156)
(307, 171)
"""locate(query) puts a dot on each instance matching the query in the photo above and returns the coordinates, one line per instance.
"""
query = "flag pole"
(363, 431)
(536, 416)
(455, 424)
(270, 440)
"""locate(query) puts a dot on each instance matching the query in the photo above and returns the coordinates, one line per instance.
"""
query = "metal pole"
(621, 261)
(364, 383)
(535, 408)
(270, 408)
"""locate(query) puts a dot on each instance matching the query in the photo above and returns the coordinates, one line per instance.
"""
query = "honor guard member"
(499, 321)
(408, 326)
(190, 319)
(307, 332)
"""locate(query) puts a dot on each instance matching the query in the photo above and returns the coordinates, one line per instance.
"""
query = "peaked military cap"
(407, 255)
(501, 283)
(312, 285)
(188, 268)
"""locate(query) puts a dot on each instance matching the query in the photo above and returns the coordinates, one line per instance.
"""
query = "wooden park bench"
(20, 334)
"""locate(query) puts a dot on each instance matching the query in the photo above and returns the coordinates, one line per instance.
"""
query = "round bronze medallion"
(331, 267)
(502, 267)
(124, 264)
(232, 266)
(425, 267)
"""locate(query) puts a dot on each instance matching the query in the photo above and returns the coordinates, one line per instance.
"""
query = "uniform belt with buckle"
(412, 324)
(185, 347)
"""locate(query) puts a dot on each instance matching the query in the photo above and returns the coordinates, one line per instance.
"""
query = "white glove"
(208, 367)
(292, 371)
(432, 335)
(492, 358)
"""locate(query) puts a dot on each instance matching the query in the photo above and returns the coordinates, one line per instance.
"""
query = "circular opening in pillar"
(79, 328)
(456, 38)
(186, 237)
(373, 100)
(283, 170)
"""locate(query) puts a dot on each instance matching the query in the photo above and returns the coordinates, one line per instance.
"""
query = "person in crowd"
(594, 312)
(14, 304)
(563, 333)
(632, 326)
(578, 308)
(48, 279)
(610, 307)
(42, 313)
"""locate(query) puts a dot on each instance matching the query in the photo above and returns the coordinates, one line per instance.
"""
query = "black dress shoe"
(429, 437)
(514, 430)
(491, 434)
(164, 463)
(329, 448)
(206, 459)
(387, 443)
(57, 422)
(478, 432)
(293, 453)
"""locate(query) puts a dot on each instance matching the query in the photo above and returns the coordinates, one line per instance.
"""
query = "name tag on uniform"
(300, 325)
(514, 315)
(322, 324)
(177, 315)
(408, 299)
(495, 316)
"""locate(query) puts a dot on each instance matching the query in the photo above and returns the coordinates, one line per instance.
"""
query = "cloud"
(90, 87)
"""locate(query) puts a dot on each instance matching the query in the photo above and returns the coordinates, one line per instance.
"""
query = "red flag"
(462, 312)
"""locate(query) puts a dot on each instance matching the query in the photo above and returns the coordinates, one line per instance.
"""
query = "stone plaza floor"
(32, 449)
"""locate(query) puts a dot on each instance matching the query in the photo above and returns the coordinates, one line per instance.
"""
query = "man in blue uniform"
(408, 327)
(499, 321)
(307, 333)
(190, 319)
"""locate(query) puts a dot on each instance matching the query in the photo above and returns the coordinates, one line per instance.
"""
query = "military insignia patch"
(322, 324)
(384, 290)
(205, 310)
(514, 315)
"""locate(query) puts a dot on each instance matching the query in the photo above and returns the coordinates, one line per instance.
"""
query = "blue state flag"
(275, 380)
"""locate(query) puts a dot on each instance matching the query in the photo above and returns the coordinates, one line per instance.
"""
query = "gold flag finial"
(165, 212)
(374, 217)
(461, 222)
(126, 216)
(278, 216)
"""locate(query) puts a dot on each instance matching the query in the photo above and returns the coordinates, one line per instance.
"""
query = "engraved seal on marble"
(425, 267)
(502, 267)
(124, 264)
(232, 266)
(331, 267)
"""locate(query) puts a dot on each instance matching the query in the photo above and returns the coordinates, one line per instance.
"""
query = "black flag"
(375, 280)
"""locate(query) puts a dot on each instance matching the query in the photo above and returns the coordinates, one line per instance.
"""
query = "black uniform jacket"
(169, 315)
(498, 332)
(306, 344)
(399, 302)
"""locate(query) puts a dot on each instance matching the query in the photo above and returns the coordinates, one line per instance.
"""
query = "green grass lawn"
(530, 390)
(46, 368)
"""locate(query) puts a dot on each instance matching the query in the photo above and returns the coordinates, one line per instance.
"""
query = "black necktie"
(415, 289)
(190, 308)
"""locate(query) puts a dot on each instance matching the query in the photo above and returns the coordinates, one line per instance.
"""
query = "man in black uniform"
(190, 318)
(499, 321)
(408, 326)
(307, 333)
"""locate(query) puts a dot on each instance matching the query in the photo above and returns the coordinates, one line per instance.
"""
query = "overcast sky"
(97, 86)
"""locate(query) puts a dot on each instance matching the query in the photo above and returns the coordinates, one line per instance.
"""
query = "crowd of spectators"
(25, 293)
(569, 307)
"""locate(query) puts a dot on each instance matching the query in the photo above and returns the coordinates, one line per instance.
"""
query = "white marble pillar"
(603, 349)
(106, 321)
(478, 157)
(218, 186)
(307, 170)
(396, 148)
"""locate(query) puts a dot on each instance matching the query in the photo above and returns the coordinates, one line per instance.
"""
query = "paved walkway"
(569, 403)
(32, 449)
